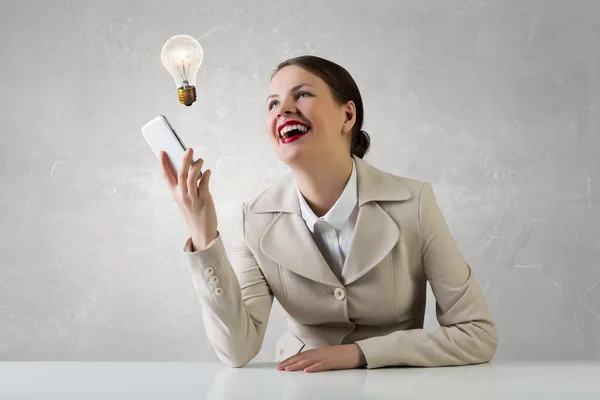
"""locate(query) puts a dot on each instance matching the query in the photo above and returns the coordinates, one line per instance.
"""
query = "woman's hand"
(347, 356)
(193, 198)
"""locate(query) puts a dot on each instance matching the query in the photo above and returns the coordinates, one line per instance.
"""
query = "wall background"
(496, 103)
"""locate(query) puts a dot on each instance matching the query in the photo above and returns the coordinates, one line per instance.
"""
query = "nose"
(288, 106)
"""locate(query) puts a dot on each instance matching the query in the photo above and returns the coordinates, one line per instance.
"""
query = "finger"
(307, 362)
(296, 357)
(192, 180)
(183, 172)
(167, 171)
(290, 360)
(203, 186)
(318, 367)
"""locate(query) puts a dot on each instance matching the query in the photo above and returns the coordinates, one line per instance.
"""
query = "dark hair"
(343, 89)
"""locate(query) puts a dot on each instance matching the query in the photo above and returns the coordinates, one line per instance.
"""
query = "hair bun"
(360, 143)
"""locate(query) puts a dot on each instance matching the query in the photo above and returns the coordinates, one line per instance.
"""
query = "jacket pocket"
(288, 345)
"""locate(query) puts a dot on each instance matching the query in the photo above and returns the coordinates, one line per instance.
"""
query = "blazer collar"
(373, 185)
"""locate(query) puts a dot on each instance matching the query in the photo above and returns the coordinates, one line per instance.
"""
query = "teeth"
(289, 128)
(292, 127)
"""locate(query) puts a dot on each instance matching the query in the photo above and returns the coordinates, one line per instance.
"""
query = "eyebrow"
(293, 89)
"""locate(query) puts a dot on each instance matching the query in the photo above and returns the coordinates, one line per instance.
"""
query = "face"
(299, 98)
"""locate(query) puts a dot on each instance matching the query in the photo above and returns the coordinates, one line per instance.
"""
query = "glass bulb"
(182, 56)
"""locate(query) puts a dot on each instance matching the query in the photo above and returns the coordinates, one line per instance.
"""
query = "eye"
(300, 94)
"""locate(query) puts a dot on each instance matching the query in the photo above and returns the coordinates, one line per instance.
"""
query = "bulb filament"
(184, 74)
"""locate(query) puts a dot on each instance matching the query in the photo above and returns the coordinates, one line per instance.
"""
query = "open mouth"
(290, 133)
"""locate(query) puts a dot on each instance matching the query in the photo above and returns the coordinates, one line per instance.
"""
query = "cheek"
(317, 115)
(326, 119)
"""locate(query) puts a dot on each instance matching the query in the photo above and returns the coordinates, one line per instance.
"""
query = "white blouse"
(333, 231)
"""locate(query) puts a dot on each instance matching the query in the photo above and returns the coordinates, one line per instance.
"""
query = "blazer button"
(208, 272)
(340, 294)
(214, 280)
(219, 291)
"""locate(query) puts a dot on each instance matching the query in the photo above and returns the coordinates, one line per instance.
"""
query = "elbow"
(237, 363)
(479, 345)
(236, 359)
(487, 351)
(234, 362)
(487, 345)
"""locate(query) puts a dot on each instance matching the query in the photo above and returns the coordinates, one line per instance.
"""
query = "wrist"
(362, 360)
(202, 241)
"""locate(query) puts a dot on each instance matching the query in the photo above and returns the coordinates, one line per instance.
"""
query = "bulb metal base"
(187, 95)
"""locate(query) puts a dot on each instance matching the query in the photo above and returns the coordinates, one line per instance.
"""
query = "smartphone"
(160, 135)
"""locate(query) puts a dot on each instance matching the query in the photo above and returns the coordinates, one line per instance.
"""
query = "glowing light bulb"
(182, 56)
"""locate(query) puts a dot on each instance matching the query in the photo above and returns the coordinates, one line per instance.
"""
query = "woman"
(345, 248)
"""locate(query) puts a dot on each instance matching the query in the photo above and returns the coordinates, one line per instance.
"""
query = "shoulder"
(280, 195)
(414, 185)
(423, 199)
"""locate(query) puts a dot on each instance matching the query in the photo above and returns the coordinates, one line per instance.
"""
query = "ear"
(350, 115)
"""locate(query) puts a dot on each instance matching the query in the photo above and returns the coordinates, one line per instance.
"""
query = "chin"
(290, 158)
(293, 156)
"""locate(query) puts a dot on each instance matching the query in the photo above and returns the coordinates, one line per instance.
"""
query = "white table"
(212, 380)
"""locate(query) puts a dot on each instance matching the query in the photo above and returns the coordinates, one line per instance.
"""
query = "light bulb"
(182, 56)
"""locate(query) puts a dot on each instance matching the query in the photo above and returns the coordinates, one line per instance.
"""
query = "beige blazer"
(400, 242)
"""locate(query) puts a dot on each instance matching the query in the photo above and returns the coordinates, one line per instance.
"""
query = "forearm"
(468, 343)
(234, 326)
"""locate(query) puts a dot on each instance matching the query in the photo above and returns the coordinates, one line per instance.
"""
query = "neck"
(322, 182)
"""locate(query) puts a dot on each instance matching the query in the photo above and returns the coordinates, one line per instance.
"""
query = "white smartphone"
(160, 135)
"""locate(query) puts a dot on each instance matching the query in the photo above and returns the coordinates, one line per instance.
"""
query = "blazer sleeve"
(467, 334)
(234, 296)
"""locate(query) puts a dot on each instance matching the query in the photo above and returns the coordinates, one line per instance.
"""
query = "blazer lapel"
(375, 235)
(288, 242)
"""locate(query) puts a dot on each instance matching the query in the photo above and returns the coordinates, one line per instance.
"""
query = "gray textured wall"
(494, 102)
